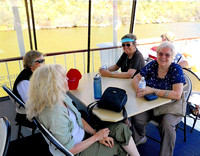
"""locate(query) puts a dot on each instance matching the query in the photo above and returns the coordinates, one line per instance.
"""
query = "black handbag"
(113, 99)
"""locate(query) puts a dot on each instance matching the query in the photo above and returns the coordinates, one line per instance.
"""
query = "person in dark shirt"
(130, 62)
(31, 61)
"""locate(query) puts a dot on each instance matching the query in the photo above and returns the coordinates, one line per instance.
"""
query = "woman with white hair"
(50, 104)
(178, 58)
(165, 79)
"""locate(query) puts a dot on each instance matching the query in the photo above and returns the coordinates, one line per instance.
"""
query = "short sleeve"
(147, 70)
(137, 62)
(121, 60)
(177, 74)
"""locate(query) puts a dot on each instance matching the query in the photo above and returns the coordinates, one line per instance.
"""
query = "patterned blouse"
(173, 76)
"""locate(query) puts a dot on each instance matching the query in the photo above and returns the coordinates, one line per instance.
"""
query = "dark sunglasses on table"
(160, 54)
(128, 45)
(40, 61)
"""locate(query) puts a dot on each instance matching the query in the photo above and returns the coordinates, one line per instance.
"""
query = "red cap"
(74, 76)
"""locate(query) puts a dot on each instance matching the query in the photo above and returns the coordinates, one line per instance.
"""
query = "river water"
(65, 39)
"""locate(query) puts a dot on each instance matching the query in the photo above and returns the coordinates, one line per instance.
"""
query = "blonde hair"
(47, 88)
(169, 36)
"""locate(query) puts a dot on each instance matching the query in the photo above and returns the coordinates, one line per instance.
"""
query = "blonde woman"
(49, 103)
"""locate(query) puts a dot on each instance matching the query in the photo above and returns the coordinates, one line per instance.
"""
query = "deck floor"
(35, 145)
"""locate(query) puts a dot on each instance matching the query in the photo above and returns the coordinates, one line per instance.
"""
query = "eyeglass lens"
(40, 61)
(128, 45)
(166, 55)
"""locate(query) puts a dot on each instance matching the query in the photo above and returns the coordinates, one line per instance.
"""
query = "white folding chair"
(55, 147)
(5, 132)
(195, 95)
(20, 109)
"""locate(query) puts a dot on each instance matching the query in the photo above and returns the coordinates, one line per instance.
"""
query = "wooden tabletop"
(85, 94)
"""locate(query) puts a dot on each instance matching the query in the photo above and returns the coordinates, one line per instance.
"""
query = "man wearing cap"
(130, 62)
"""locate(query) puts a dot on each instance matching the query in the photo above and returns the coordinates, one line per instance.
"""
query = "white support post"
(17, 27)
(115, 52)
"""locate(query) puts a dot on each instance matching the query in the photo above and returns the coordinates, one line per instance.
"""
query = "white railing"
(10, 68)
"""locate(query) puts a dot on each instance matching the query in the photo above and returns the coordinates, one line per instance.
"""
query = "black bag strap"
(124, 113)
(93, 104)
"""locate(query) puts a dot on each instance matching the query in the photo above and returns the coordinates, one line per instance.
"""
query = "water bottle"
(142, 83)
(104, 67)
(97, 86)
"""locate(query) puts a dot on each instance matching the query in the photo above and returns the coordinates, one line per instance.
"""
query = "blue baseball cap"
(127, 40)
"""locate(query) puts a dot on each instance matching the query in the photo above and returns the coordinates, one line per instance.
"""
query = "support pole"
(89, 29)
(114, 23)
(33, 23)
(133, 14)
(114, 53)
(28, 22)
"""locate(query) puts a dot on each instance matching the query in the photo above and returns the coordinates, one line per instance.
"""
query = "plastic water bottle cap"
(97, 76)
(104, 67)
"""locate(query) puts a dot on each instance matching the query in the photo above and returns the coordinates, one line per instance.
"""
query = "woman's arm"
(87, 127)
(108, 73)
(135, 81)
(100, 135)
(108, 141)
(175, 93)
(113, 68)
(129, 74)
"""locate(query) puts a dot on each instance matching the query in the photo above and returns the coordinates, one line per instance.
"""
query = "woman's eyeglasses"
(40, 61)
(128, 45)
(160, 54)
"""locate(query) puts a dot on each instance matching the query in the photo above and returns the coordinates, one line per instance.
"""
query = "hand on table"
(143, 92)
(105, 73)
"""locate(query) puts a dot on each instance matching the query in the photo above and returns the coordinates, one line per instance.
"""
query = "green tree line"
(74, 13)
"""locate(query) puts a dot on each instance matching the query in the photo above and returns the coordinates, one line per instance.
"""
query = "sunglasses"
(40, 61)
(160, 54)
(128, 45)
